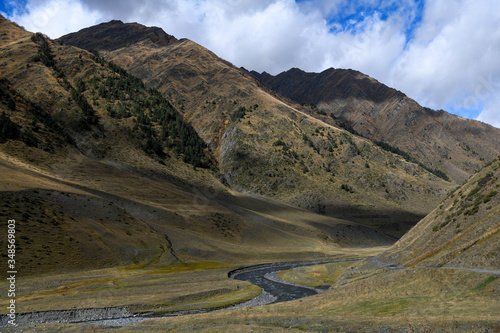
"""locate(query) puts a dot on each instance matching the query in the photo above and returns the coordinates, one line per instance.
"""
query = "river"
(265, 276)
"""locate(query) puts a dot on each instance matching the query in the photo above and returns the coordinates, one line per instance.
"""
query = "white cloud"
(454, 59)
(454, 51)
(371, 51)
(54, 18)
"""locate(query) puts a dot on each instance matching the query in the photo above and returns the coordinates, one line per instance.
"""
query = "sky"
(445, 54)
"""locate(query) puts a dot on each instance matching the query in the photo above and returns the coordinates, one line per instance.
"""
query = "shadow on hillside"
(394, 223)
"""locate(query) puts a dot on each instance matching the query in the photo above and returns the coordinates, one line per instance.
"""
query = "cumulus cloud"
(55, 17)
(453, 62)
(444, 54)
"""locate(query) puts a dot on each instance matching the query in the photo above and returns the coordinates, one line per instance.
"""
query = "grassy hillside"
(101, 170)
(463, 231)
(120, 199)
(452, 146)
(269, 146)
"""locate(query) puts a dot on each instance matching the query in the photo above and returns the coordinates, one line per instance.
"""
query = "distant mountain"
(439, 140)
(464, 231)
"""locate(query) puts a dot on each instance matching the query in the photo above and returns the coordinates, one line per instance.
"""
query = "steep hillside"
(99, 170)
(441, 141)
(464, 231)
(269, 146)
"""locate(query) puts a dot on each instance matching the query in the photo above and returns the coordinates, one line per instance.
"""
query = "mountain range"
(139, 99)
(456, 146)
(123, 146)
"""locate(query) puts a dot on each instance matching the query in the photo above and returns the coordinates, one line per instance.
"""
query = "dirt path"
(476, 270)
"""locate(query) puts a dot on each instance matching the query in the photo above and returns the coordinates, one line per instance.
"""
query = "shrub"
(409, 158)
(489, 196)
(347, 188)
(279, 142)
(8, 129)
(474, 191)
(238, 114)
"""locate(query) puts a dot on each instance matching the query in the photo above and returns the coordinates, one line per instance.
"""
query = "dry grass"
(368, 300)
(208, 90)
(85, 214)
(364, 299)
(316, 276)
(157, 288)
(463, 231)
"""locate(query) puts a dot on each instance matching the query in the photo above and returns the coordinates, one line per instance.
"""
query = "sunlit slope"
(267, 145)
(100, 170)
(439, 140)
(464, 231)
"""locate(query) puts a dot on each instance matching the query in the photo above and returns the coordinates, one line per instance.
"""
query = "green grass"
(485, 283)
(316, 276)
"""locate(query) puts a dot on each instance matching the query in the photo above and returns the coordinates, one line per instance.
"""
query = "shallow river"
(274, 290)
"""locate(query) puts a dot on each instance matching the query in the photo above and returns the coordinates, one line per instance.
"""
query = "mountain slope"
(464, 231)
(267, 145)
(99, 170)
(456, 146)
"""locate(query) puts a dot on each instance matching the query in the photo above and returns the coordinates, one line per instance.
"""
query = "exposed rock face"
(457, 146)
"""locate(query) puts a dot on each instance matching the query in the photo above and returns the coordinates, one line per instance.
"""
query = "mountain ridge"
(241, 121)
(116, 34)
(377, 111)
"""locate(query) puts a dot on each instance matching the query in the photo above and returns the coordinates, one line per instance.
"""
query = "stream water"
(281, 290)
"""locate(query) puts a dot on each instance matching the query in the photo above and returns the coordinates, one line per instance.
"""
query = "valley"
(142, 169)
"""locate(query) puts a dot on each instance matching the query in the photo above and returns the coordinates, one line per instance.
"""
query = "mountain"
(456, 146)
(131, 148)
(100, 170)
(267, 145)
(464, 231)
(138, 188)
(113, 35)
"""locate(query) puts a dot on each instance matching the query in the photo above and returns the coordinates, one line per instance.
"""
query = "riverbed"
(265, 276)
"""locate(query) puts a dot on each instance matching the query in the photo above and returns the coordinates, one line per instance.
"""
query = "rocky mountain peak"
(115, 34)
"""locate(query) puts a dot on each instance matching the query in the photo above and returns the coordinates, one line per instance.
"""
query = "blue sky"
(443, 53)
(351, 12)
(9, 6)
